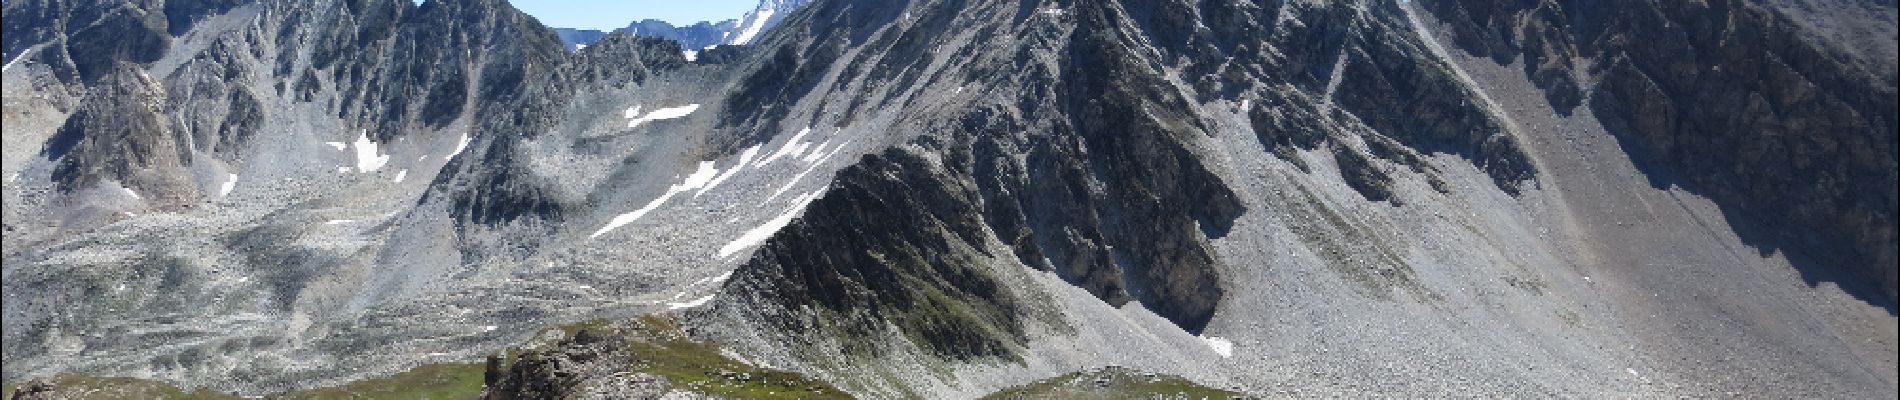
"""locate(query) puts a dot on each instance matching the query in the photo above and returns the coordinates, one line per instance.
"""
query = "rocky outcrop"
(85, 40)
(33, 390)
(1777, 122)
(1142, 235)
(212, 100)
(119, 134)
(559, 372)
(621, 59)
(898, 240)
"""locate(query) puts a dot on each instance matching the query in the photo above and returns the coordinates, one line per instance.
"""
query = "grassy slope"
(428, 382)
(658, 344)
(661, 348)
(1121, 383)
(88, 388)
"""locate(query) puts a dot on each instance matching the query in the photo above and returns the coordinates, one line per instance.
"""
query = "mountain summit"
(955, 198)
(699, 36)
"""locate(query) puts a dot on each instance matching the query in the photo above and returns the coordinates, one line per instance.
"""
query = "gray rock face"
(561, 371)
(117, 134)
(917, 266)
(1775, 120)
(946, 198)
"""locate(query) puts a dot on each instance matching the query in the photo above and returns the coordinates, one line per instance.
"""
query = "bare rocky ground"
(938, 199)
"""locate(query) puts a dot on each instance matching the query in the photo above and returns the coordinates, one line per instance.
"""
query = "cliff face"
(117, 134)
(1779, 121)
(945, 198)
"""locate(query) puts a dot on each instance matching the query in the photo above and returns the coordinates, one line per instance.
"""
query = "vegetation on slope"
(1114, 383)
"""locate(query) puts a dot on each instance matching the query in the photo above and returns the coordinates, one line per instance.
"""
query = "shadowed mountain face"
(1780, 121)
(946, 198)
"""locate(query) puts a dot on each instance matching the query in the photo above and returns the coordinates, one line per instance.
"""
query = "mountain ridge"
(697, 36)
(949, 198)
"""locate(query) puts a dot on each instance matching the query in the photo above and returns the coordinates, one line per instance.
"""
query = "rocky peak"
(118, 134)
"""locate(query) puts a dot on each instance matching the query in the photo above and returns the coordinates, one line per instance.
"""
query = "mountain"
(698, 36)
(956, 198)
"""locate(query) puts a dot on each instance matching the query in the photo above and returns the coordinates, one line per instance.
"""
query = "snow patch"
(459, 146)
(753, 27)
(690, 55)
(698, 179)
(340, 146)
(716, 279)
(229, 183)
(818, 153)
(367, 159)
(400, 175)
(661, 114)
(758, 235)
(808, 169)
(1220, 345)
(690, 304)
(788, 149)
(16, 59)
(744, 158)
(488, 328)
(134, 194)
(338, 221)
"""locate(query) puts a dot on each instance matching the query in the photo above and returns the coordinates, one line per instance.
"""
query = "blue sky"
(610, 14)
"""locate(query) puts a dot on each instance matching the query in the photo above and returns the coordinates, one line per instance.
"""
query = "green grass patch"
(1113, 383)
(428, 382)
(81, 387)
(661, 348)
(658, 345)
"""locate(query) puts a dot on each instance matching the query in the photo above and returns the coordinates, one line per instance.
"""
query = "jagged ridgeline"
(953, 198)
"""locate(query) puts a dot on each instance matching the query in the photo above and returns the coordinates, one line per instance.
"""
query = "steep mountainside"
(950, 198)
